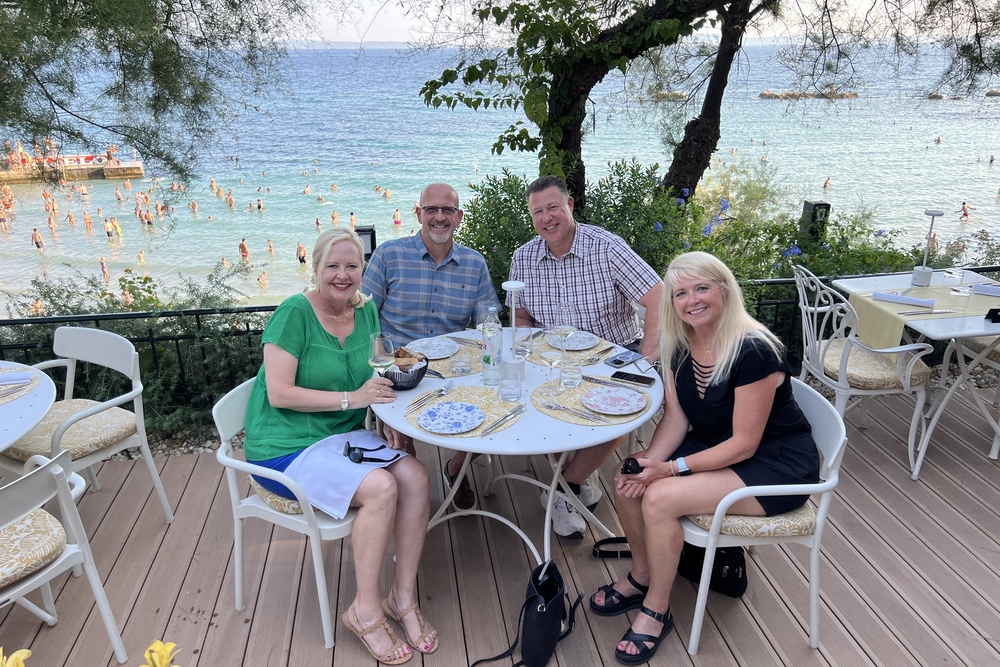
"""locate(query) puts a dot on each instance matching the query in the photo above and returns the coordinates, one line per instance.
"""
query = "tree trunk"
(693, 154)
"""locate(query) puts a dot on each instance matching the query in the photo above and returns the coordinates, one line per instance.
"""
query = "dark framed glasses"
(446, 211)
(357, 454)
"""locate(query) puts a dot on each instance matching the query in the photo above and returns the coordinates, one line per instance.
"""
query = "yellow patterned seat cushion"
(979, 344)
(790, 524)
(280, 503)
(870, 370)
(29, 544)
(84, 437)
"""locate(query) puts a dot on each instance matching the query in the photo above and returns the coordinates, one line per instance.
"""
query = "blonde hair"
(734, 324)
(325, 242)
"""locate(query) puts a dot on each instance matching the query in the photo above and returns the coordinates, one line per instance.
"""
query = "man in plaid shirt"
(603, 280)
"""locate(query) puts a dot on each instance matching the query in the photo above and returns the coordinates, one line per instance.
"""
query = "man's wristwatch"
(344, 403)
(682, 467)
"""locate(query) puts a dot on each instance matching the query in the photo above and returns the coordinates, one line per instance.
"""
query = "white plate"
(434, 348)
(614, 400)
(450, 417)
(581, 340)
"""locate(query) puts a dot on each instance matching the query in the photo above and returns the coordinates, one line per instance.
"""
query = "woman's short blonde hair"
(321, 250)
(733, 326)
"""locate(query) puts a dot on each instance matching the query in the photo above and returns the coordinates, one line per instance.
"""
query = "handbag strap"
(517, 637)
(572, 616)
(599, 552)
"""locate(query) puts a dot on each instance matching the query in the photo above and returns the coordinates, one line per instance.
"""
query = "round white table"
(22, 413)
(533, 433)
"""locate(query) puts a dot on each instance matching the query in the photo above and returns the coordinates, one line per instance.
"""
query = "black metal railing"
(190, 358)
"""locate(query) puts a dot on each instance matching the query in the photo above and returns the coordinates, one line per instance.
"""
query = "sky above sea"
(354, 118)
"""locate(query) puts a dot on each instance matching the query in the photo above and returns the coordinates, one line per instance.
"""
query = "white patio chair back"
(35, 547)
(89, 430)
(803, 526)
(230, 418)
(834, 355)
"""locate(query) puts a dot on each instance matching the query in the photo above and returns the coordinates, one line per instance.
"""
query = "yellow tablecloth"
(880, 325)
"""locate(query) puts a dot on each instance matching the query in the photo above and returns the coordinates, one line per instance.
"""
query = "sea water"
(356, 120)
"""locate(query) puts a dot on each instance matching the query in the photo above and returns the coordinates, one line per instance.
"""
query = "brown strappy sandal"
(425, 627)
(361, 631)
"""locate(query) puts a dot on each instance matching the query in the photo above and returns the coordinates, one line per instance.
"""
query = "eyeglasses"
(357, 454)
(446, 211)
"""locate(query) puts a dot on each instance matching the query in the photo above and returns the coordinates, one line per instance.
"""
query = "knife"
(925, 312)
(504, 419)
(464, 341)
(613, 383)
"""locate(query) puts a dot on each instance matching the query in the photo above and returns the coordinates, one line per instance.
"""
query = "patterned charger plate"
(451, 417)
(581, 340)
(434, 348)
(614, 400)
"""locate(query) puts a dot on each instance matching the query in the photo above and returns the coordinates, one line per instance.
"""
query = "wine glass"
(551, 358)
(382, 353)
(564, 323)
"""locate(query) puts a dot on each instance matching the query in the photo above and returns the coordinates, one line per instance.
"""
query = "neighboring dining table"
(535, 431)
(21, 409)
(955, 315)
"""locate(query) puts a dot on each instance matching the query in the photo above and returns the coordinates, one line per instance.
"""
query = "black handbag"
(729, 570)
(543, 612)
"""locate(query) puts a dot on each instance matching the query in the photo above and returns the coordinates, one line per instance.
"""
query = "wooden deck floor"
(909, 573)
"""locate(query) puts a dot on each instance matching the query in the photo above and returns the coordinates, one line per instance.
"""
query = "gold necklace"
(343, 315)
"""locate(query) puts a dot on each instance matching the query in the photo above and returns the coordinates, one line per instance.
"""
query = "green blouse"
(323, 364)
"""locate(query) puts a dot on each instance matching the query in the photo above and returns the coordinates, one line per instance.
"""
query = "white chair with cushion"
(36, 547)
(298, 515)
(88, 430)
(802, 526)
(835, 356)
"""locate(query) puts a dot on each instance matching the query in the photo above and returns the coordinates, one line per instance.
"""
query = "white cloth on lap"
(329, 478)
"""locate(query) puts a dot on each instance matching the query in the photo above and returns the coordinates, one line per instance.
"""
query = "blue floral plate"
(450, 417)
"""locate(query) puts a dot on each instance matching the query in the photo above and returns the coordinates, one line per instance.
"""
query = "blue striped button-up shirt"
(418, 299)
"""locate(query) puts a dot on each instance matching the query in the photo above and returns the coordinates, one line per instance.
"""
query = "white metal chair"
(35, 547)
(801, 526)
(298, 515)
(88, 430)
(836, 357)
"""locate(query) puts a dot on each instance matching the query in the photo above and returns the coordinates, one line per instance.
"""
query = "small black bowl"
(401, 381)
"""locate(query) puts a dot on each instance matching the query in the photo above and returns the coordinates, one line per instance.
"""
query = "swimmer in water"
(964, 211)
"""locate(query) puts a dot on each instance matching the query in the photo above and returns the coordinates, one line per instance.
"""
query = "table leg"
(442, 514)
(938, 406)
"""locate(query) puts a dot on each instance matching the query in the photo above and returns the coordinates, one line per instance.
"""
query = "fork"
(596, 356)
(552, 405)
(11, 389)
(421, 402)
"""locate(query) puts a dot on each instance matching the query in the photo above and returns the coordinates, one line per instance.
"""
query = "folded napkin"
(989, 290)
(899, 298)
(16, 378)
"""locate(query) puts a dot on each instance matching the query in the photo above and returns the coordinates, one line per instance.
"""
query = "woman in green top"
(310, 395)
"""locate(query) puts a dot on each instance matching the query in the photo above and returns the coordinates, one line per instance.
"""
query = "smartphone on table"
(634, 378)
(623, 359)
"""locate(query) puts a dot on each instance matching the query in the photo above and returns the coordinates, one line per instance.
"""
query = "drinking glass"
(510, 380)
(381, 356)
(570, 372)
(482, 312)
(460, 363)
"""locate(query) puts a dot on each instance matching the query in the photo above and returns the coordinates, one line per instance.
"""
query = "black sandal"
(645, 653)
(619, 603)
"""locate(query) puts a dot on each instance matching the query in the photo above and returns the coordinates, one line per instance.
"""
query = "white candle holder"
(513, 288)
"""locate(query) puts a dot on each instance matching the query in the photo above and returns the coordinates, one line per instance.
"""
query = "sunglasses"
(357, 454)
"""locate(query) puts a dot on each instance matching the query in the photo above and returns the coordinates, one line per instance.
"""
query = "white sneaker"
(566, 520)
(590, 491)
